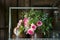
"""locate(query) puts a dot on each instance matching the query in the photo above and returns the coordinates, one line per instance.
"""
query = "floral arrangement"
(32, 21)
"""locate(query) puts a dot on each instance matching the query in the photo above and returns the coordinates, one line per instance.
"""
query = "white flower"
(16, 31)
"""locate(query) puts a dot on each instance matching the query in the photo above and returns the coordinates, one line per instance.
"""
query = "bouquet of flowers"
(32, 21)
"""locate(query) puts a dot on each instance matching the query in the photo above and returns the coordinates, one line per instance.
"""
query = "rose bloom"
(39, 23)
(33, 26)
(19, 23)
(30, 31)
(26, 20)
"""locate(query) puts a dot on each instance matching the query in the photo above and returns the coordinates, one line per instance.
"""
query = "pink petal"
(30, 31)
(39, 23)
(26, 22)
(33, 26)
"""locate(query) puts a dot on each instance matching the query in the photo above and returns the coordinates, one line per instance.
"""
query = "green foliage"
(21, 29)
(36, 15)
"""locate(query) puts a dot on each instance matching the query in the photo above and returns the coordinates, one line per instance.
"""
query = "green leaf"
(21, 29)
(44, 33)
(47, 28)
(50, 25)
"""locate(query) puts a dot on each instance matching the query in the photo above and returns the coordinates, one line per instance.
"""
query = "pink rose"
(39, 23)
(25, 19)
(30, 31)
(33, 26)
(26, 22)
(19, 23)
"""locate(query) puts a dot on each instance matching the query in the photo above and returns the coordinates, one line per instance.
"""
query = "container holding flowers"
(34, 22)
